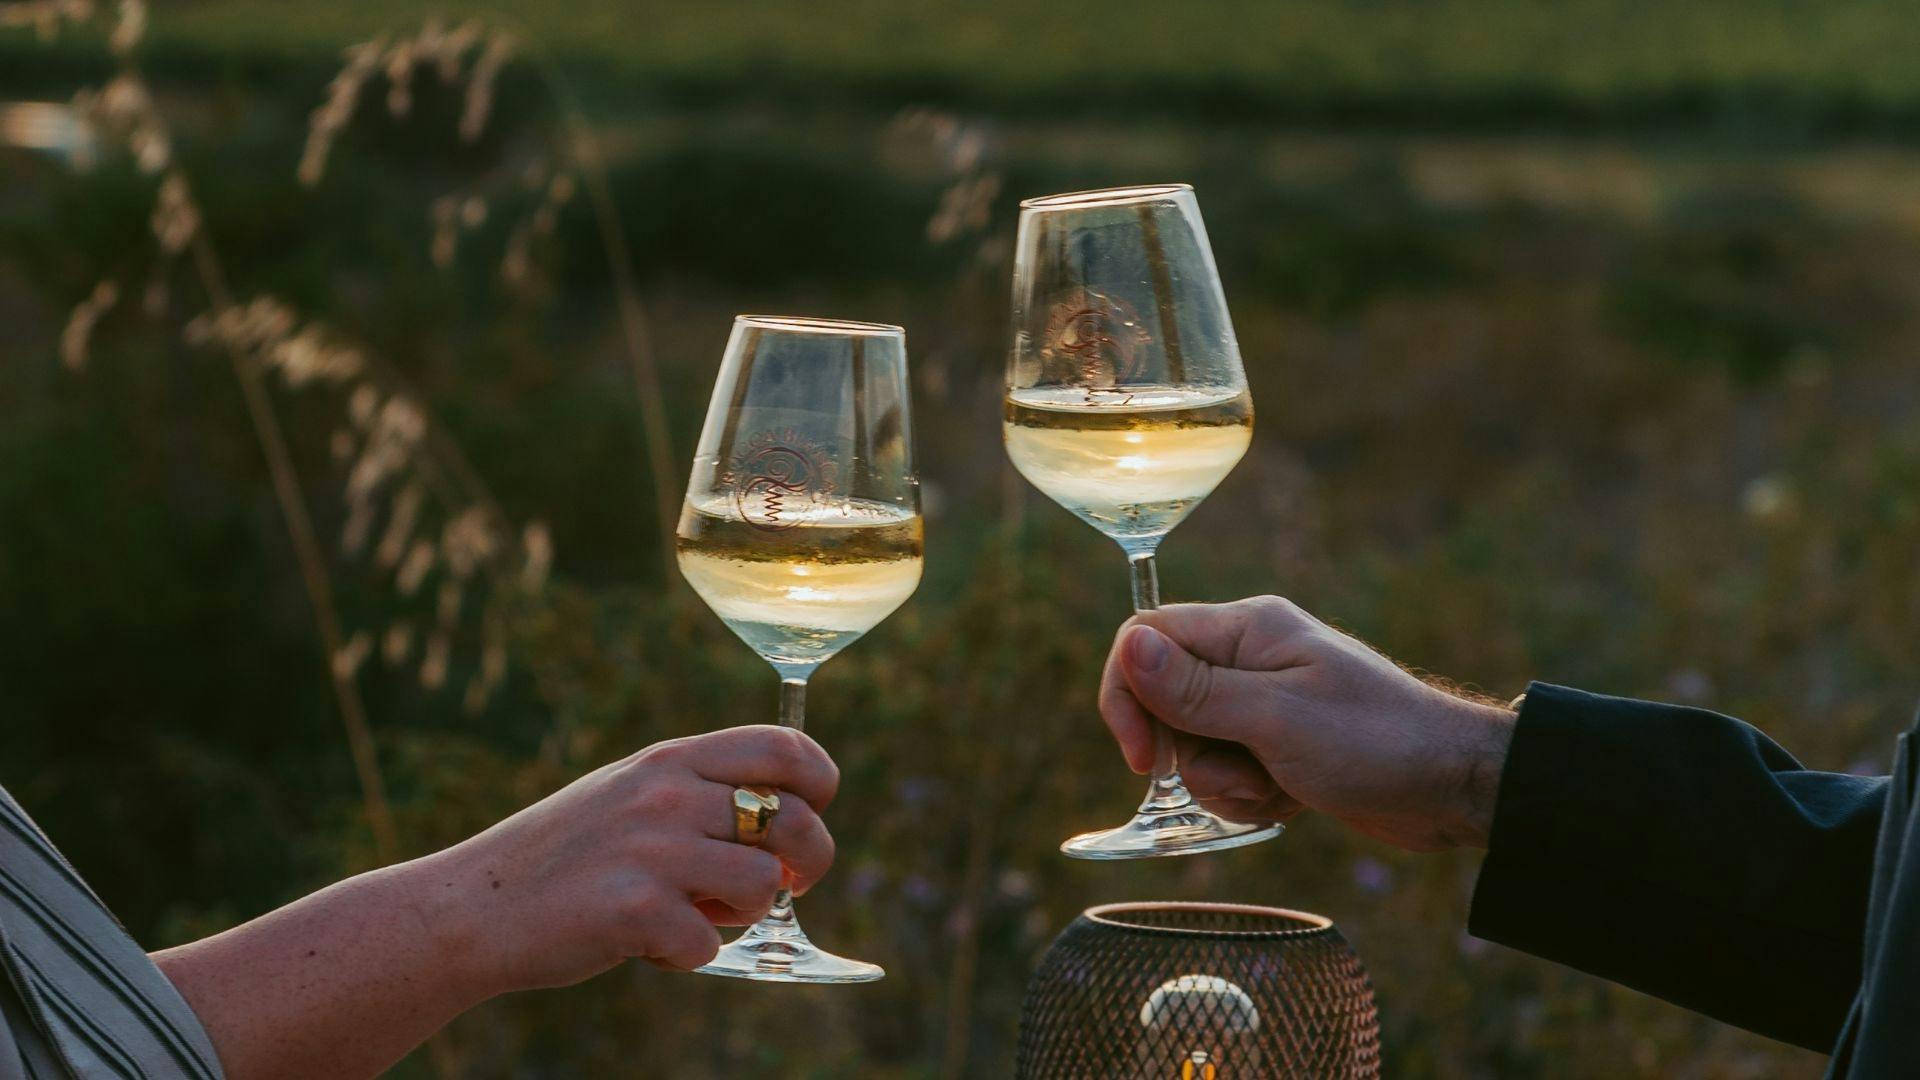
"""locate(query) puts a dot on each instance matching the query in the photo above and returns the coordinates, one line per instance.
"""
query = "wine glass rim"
(1114, 915)
(807, 324)
(1112, 196)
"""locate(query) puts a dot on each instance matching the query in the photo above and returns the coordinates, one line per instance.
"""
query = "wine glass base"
(1187, 830)
(786, 956)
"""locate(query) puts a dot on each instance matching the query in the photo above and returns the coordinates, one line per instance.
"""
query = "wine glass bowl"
(1127, 404)
(801, 529)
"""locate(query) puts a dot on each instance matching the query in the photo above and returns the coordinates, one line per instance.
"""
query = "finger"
(1254, 810)
(1225, 771)
(796, 837)
(1187, 692)
(1129, 723)
(720, 914)
(679, 938)
(714, 810)
(1258, 633)
(741, 877)
(762, 754)
(801, 841)
(1228, 780)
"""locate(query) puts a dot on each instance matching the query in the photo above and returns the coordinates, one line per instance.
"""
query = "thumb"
(1184, 691)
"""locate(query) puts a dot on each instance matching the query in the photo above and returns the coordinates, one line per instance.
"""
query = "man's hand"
(637, 859)
(1275, 711)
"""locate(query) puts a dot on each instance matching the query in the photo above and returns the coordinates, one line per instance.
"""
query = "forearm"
(338, 985)
(624, 862)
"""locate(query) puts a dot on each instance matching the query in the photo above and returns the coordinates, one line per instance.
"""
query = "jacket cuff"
(1539, 780)
(1527, 828)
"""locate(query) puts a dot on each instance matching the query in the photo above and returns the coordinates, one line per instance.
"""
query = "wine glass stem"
(1167, 791)
(1146, 580)
(793, 699)
(793, 714)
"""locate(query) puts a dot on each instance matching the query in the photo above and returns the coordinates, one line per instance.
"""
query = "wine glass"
(801, 530)
(1126, 404)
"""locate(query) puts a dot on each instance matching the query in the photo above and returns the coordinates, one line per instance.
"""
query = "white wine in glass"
(1131, 464)
(801, 530)
(806, 592)
(1127, 404)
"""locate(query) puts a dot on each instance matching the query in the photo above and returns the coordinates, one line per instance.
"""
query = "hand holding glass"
(801, 530)
(1126, 404)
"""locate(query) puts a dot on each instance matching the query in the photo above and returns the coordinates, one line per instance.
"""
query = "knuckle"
(1276, 621)
(798, 758)
(649, 765)
(664, 751)
(794, 748)
(1276, 612)
(661, 800)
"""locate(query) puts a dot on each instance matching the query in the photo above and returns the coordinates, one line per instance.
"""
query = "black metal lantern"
(1199, 992)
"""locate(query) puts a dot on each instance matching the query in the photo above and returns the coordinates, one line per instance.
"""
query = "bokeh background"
(1582, 337)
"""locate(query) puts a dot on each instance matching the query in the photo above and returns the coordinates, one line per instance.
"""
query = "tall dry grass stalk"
(472, 56)
(400, 467)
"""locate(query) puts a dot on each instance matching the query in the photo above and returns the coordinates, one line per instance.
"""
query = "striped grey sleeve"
(80, 998)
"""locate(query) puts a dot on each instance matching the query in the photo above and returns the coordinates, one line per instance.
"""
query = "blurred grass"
(1620, 410)
(1775, 67)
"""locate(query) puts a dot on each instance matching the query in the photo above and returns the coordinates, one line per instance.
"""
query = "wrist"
(437, 892)
(1482, 734)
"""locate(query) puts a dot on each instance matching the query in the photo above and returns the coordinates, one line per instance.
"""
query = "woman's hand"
(1275, 711)
(636, 859)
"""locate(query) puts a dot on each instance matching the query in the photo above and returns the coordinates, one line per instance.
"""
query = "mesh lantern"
(1156, 991)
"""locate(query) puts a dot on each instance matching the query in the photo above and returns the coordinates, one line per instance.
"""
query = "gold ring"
(753, 811)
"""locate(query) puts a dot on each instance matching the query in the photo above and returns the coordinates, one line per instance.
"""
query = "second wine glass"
(801, 530)
(1127, 403)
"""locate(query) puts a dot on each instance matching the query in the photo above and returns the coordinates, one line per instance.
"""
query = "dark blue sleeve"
(1684, 854)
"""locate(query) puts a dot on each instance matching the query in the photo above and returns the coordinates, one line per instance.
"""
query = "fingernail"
(1149, 648)
(1240, 794)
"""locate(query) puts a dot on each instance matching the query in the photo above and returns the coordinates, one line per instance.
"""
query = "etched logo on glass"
(1093, 339)
(778, 479)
